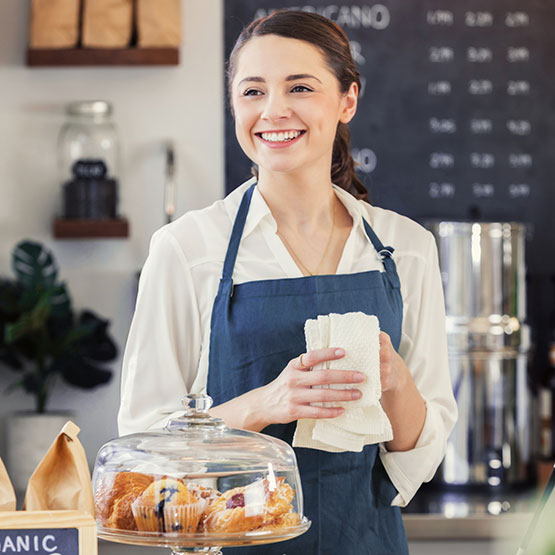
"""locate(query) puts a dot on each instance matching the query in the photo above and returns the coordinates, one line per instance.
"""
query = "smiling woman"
(228, 290)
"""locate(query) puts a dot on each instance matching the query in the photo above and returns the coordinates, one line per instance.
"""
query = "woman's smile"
(280, 139)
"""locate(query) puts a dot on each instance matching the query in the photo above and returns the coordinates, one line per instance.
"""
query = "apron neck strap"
(384, 252)
(237, 233)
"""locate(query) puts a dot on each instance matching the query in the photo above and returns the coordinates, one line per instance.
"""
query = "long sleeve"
(163, 347)
(424, 349)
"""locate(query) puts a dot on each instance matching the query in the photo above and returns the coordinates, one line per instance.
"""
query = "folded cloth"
(364, 421)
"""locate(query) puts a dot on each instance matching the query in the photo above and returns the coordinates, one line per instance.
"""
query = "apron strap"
(386, 254)
(237, 233)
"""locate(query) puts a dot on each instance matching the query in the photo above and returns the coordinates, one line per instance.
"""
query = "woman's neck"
(299, 202)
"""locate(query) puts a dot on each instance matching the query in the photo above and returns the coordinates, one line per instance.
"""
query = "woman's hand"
(290, 395)
(393, 370)
(401, 400)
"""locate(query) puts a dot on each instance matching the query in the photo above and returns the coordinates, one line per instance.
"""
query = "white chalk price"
(478, 19)
(439, 88)
(483, 190)
(519, 190)
(442, 160)
(479, 55)
(480, 86)
(441, 54)
(441, 190)
(481, 126)
(519, 126)
(482, 160)
(520, 160)
(440, 17)
(518, 54)
(444, 125)
(518, 88)
(517, 19)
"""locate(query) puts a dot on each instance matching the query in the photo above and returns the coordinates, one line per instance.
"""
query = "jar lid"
(89, 108)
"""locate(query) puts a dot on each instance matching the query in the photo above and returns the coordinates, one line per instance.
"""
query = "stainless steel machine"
(483, 274)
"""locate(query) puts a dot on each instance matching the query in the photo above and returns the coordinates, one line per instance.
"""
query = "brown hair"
(332, 41)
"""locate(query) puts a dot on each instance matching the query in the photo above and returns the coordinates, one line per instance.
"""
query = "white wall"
(183, 103)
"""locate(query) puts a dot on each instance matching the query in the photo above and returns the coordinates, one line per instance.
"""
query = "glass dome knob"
(197, 403)
(196, 415)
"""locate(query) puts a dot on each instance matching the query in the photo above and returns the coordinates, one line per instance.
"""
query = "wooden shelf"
(61, 57)
(90, 229)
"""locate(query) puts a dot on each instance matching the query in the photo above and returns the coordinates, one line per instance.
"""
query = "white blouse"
(166, 356)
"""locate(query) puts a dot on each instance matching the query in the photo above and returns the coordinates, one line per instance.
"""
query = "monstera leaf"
(40, 336)
(34, 265)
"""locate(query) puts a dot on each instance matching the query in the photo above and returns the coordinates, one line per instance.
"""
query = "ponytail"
(343, 172)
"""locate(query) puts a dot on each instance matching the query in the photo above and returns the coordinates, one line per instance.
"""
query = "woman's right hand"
(289, 396)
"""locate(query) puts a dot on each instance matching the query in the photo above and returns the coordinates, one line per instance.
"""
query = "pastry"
(113, 497)
(167, 505)
(206, 495)
(248, 507)
(286, 520)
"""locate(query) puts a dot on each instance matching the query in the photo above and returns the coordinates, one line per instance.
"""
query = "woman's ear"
(349, 104)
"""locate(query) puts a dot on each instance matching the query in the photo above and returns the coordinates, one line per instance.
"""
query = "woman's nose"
(276, 107)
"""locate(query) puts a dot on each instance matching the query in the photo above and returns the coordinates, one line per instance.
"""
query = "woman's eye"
(251, 92)
(300, 88)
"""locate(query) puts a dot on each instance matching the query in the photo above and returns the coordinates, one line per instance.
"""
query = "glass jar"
(88, 161)
(196, 486)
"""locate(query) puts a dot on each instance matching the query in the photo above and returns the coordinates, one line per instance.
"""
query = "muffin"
(113, 497)
(168, 506)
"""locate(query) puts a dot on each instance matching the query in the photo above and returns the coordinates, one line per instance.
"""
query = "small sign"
(48, 541)
(57, 532)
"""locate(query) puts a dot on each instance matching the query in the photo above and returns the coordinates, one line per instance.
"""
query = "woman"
(226, 290)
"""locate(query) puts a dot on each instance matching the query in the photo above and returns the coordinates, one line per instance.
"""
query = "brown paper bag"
(54, 24)
(159, 22)
(62, 479)
(7, 493)
(107, 23)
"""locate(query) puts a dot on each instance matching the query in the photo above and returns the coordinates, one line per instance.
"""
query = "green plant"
(41, 337)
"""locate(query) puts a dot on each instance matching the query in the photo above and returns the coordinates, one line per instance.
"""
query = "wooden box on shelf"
(90, 229)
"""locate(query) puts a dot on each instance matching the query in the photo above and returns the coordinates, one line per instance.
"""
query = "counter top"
(471, 527)
(483, 516)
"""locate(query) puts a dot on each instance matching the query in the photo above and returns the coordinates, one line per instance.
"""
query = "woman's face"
(287, 104)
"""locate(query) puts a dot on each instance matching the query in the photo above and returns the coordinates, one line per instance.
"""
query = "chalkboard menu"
(456, 117)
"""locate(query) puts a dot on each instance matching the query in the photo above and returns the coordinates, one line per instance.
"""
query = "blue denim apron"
(256, 328)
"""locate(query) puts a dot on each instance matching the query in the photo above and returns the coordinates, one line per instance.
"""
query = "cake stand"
(208, 544)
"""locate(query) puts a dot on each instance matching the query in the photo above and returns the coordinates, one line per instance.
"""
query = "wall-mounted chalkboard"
(457, 114)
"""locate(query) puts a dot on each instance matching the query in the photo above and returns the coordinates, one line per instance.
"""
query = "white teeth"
(280, 137)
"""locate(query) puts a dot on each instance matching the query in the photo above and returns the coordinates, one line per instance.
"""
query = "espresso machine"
(483, 272)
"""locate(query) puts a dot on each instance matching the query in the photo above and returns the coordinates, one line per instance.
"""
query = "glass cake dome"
(197, 486)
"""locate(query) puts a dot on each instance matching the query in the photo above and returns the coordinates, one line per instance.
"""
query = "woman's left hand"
(393, 370)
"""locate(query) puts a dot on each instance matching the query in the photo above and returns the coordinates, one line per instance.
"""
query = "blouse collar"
(259, 211)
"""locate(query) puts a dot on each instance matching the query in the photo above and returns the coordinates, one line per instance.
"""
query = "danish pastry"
(249, 507)
(286, 520)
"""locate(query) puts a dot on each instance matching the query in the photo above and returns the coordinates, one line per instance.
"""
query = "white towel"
(364, 421)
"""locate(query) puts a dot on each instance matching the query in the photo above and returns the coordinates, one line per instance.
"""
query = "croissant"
(114, 494)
